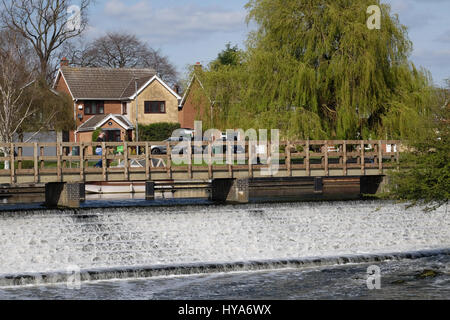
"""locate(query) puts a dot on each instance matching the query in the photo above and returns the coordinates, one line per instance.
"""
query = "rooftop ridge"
(110, 69)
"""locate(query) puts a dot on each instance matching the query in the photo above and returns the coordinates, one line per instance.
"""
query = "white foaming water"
(113, 238)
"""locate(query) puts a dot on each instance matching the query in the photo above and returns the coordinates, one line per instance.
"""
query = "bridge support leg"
(230, 190)
(61, 194)
(374, 184)
(82, 192)
(149, 190)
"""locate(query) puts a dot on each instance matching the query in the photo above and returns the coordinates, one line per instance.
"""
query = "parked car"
(162, 149)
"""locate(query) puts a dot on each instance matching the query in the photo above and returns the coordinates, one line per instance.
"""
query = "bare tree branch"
(45, 24)
(120, 50)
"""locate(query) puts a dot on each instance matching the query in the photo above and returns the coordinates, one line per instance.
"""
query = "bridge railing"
(35, 159)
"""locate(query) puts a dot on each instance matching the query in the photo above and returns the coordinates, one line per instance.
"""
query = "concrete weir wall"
(66, 195)
(230, 190)
(295, 188)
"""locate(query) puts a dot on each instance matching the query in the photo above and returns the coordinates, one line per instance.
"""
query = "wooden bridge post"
(189, 152)
(210, 173)
(42, 152)
(363, 160)
(380, 157)
(308, 165)
(81, 161)
(12, 166)
(344, 146)
(288, 158)
(327, 173)
(397, 155)
(147, 161)
(104, 161)
(20, 154)
(125, 160)
(35, 165)
(250, 158)
(230, 158)
(169, 159)
(58, 161)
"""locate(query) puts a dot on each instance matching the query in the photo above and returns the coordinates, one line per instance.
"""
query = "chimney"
(64, 62)
(198, 67)
(176, 88)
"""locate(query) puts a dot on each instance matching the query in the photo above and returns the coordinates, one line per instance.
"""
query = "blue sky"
(192, 31)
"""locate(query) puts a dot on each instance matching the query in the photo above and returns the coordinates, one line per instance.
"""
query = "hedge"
(157, 131)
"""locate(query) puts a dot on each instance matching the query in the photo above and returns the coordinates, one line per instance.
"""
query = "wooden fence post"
(344, 146)
(147, 161)
(250, 158)
(12, 166)
(363, 160)
(288, 158)
(125, 160)
(58, 161)
(36, 166)
(42, 152)
(210, 173)
(397, 154)
(81, 161)
(308, 165)
(104, 161)
(169, 159)
(189, 152)
(380, 157)
(230, 156)
(327, 173)
(19, 162)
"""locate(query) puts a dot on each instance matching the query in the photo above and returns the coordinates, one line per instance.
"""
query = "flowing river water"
(198, 250)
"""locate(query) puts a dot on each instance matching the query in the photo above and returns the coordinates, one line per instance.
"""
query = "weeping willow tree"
(424, 174)
(313, 69)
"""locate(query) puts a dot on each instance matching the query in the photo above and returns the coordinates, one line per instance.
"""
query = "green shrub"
(157, 131)
(95, 134)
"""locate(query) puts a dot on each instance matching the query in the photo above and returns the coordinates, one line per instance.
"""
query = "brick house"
(106, 98)
(195, 104)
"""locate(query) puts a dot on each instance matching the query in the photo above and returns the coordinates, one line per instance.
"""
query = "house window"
(155, 107)
(94, 107)
(124, 108)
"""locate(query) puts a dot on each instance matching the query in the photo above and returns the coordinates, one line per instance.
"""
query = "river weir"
(141, 242)
(45, 247)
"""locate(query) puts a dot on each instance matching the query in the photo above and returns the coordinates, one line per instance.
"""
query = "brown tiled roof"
(130, 90)
(104, 83)
(93, 123)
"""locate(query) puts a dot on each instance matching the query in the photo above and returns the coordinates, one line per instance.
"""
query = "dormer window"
(94, 107)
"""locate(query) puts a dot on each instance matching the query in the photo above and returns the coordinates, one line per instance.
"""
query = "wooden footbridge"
(283, 164)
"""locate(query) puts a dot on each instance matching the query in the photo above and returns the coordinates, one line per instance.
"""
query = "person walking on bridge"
(98, 149)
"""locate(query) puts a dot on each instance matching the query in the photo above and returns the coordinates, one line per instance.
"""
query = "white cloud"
(175, 24)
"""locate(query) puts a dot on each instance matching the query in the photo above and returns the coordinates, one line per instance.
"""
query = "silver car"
(162, 149)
